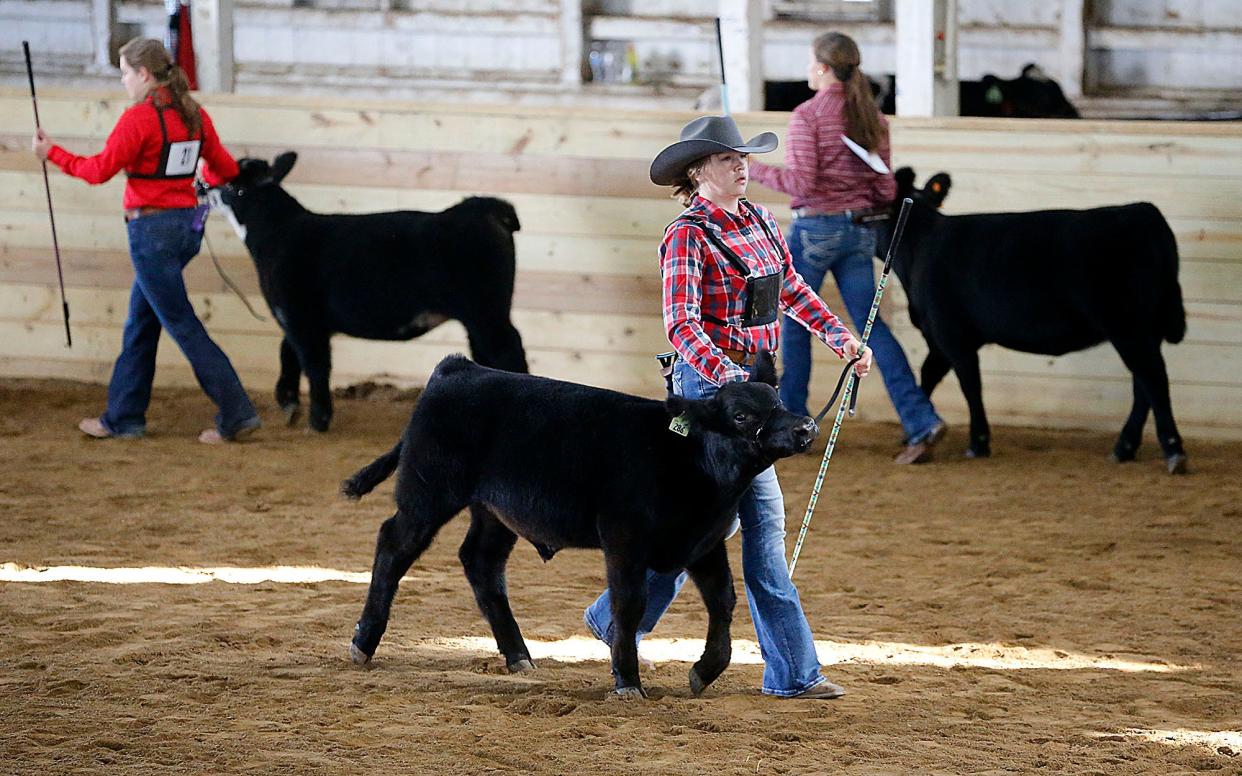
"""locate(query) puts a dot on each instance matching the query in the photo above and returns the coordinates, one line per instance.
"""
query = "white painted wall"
(516, 50)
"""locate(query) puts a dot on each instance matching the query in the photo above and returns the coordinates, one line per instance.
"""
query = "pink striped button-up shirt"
(820, 171)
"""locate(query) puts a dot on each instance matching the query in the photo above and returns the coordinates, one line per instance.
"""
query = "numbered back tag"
(182, 158)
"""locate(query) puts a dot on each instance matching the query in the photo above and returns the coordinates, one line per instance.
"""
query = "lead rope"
(848, 400)
(228, 281)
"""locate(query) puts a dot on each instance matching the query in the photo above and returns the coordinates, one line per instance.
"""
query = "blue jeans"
(822, 243)
(790, 663)
(160, 246)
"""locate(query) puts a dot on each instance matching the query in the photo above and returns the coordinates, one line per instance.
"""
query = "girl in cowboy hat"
(726, 273)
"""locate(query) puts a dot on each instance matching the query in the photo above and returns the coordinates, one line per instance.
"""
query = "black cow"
(1032, 95)
(566, 465)
(384, 276)
(1048, 281)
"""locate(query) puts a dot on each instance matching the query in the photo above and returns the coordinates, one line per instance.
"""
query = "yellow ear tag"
(680, 425)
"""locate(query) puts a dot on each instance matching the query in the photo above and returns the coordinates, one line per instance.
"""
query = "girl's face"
(136, 82)
(724, 176)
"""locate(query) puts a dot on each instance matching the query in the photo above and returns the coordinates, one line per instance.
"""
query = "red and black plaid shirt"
(700, 285)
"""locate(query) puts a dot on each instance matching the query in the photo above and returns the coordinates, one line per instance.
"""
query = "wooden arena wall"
(587, 299)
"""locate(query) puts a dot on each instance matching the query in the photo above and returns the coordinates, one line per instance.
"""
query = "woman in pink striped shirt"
(834, 192)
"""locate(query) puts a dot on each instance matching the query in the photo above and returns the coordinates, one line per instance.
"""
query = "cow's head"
(255, 188)
(749, 411)
(932, 194)
(927, 202)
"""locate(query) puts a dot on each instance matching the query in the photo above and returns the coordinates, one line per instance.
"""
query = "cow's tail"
(1173, 310)
(499, 210)
(366, 478)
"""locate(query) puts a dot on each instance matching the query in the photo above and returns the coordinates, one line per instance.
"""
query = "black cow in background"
(1032, 95)
(383, 276)
(1048, 281)
(566, 465)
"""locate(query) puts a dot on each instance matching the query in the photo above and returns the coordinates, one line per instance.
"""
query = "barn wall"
(520, 50)
(587, 299)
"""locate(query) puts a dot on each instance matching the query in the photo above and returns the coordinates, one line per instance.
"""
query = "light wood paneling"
(587, 297)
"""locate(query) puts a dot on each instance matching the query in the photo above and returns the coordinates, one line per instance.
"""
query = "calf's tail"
(499, 210)
(366, 478)
(1173, 310)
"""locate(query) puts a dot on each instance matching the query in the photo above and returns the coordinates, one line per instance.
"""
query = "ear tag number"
(680, 425)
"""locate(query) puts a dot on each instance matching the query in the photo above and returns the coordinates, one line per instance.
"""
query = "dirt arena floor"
(1043, 611)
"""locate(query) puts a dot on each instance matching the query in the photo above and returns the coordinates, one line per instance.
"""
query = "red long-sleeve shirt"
(820, 171)
(700, 283)
(134, 146)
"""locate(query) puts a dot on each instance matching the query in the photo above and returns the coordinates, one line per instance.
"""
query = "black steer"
(1048, 281)
(567, 465)
(383, 276)
(1032, 95)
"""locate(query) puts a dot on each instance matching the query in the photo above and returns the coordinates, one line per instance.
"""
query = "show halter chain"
(851, 387)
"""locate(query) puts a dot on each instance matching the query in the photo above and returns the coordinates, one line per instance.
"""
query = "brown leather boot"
(921, 452)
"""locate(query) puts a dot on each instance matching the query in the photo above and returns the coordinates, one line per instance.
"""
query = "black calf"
(566, 465)
(385, 276)
(1048, 281)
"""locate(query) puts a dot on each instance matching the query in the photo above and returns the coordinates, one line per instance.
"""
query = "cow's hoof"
(697, 685)
(359, 657)
(1123, 453)
(293, 413)
(629, 693)
(1176, 463)
(521, 666)
(972, 452)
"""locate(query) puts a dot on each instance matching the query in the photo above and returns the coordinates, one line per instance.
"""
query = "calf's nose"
(806, 432)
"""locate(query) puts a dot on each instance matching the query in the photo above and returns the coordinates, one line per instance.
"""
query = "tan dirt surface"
(1046, 553)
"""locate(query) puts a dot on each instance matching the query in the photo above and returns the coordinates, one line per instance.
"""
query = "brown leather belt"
(740, 357)
(858, 215)
(139, 212)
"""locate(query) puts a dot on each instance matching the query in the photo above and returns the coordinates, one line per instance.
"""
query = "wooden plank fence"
(587, 298)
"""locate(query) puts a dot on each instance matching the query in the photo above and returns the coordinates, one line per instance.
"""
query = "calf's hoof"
(697, 685)
(521, 666)
(1123, 453)
(629, 693)
(1176, 463)
(359, 657)
(292, 412)
(978, 452)
(320, 424)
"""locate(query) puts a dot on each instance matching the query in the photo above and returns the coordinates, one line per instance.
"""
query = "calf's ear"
(283, 164)
(765, 369)
(905, 182)
(691, 410)
(937, 189)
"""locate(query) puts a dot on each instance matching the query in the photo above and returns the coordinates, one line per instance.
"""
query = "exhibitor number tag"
(182, 158)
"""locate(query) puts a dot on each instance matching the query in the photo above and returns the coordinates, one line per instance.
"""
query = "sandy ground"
(1043, 611)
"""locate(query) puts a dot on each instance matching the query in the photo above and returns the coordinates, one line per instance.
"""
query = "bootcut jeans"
(791, 666)
(161, 245)
(819, 244)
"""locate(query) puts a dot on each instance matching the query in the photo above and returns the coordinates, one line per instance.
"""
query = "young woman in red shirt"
(158, 143)
(726, 273)
(834, 192)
